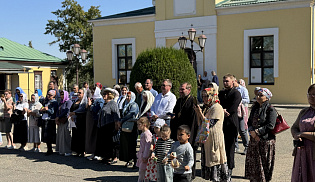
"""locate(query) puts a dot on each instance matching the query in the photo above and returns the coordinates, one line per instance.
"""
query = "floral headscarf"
(212, 94)
(266, 92)
(52, 92)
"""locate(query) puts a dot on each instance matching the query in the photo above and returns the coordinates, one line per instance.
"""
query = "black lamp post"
(201, 40)
(77, 53)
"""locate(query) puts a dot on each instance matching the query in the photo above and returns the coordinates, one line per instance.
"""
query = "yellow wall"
(294, 49)
(165, 9)
(102, 42)
(26, 80)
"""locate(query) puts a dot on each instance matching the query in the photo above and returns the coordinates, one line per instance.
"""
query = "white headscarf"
(133, 98)
(97, 93)
(150, 100)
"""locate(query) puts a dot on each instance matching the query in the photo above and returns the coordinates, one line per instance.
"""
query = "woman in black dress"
(78, 114)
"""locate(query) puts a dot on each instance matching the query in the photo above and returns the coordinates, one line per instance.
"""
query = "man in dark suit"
(230, 98)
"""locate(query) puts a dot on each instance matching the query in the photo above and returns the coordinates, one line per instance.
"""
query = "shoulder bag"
(281, 125)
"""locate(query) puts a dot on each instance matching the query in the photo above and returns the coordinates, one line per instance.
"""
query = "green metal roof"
(10, 66)
(139, 12)
(13, 51)
(232, 3)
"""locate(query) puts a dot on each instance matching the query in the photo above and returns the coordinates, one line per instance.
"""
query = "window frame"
(247, 56)
(126, 57)
(262, 60)
(41, 81)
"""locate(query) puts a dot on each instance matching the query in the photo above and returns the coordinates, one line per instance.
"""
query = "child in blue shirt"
(182, 151)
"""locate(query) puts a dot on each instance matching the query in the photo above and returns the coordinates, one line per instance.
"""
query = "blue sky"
(25, 20)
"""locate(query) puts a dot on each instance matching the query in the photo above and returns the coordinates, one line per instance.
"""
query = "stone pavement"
(18, 165)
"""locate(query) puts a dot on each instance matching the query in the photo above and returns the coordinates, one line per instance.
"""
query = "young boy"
(184, 155)
(162, 146)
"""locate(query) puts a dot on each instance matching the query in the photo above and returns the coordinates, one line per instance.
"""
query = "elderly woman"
(128, 139)
(7, 111)
(49, 112)
(213, 156)
(122, 98)
(34, 134)
(108, 118)
(145, 108)
(19, 118)
(260, 155)
(303, 132)
(63, 143)
(78, 114)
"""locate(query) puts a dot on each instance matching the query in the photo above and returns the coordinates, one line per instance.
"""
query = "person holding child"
(145, 145)
(151, 170)
(182, 155)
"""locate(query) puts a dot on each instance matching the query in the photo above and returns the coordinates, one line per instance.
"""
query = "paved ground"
(16, 165)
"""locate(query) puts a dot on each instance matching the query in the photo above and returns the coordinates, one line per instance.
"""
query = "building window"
(261, 56)
(261, 60)
(38, 80)
(124, 58)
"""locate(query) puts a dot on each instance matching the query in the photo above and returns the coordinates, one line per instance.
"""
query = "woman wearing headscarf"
(19, 118)
(18, 91)
(122, 98)
(78, 113)
(93, 107)
(128, 140)
(145, 107)
(260, 155)
(63, 142)
(49, 112)
(34, 130)
(213, 156)
(40, 95)
(107, 123)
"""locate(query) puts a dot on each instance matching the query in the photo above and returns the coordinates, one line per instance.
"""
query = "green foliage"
(72, 27)
(164, 63)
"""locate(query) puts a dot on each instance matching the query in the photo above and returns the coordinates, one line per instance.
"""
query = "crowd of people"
(106, 123)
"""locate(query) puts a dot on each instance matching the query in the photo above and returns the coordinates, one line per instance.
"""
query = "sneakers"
(68, 154)
(91, 157)
(23, 148)
(10, 147)
(237, 150)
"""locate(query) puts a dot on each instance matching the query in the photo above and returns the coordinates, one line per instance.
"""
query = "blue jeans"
(243, 132)
(164, 173)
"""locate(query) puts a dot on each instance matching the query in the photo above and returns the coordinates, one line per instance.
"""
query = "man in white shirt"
(148, 86)
(164, 103)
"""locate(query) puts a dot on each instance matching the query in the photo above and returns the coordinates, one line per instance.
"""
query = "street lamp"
(191, 35)
(78, 54)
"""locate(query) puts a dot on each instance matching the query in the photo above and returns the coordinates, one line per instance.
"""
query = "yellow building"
(268, 43)
(28, 68)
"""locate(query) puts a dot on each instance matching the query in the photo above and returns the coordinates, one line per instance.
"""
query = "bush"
(164, 63)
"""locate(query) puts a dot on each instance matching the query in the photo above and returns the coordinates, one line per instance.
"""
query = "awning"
(9, 68)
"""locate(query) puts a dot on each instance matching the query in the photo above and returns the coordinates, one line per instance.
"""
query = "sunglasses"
(21, 96)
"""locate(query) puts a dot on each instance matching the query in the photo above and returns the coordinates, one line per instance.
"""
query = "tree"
(164, 63)
(72, 27)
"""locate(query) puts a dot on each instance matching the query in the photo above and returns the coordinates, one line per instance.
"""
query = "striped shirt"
(161, 148)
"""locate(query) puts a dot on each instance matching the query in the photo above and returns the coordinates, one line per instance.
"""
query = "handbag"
(127, 126)
(63, 120)
(281, 125)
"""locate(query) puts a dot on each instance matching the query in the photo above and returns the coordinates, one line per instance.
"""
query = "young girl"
(145, 145)
(151, 171)
(163, 145)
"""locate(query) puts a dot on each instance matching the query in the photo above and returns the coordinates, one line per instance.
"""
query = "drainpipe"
(312, 54)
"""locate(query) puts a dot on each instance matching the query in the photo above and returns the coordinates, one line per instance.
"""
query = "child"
(183, 152)
(151, 171)
(163, 145)
(145, 145)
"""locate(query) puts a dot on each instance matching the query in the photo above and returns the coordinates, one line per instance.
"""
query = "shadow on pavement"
(73, 161)
(113, 178)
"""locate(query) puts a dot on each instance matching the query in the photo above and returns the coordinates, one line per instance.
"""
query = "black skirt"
(104, 141)
(20, 132)
(128, 144)
(78, 134)
(49, 131)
